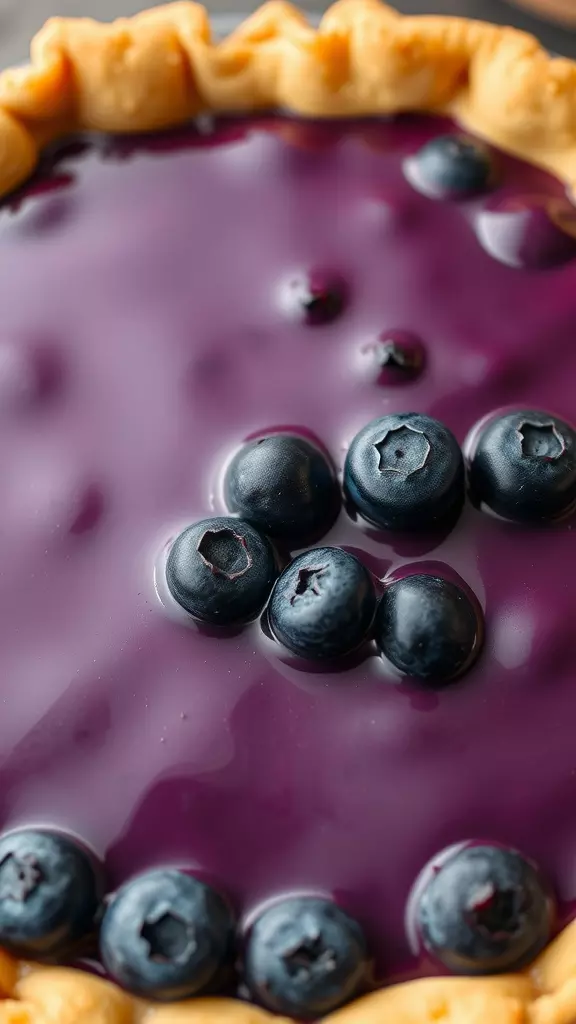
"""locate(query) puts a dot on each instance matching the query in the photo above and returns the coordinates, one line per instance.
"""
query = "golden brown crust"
(543, 994)
(500, 1000)
(162, 67)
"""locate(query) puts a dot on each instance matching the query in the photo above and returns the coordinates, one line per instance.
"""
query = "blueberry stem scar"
(541, 441)
(20, 876)
(396, 444)
(307, 582)
(209, 549)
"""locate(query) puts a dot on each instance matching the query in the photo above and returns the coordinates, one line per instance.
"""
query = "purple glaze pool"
(142, 338)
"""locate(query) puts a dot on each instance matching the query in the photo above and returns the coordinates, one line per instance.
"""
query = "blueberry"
(429, 628)
(50, 892)
(285, 486)
(405, 472)
(166, 935)
(305, 957)
(221, 571)
(396, 357)
(323, 604)
(531, 233)
(484, 910)
(523, 466)
(451, 167)
(314, 298)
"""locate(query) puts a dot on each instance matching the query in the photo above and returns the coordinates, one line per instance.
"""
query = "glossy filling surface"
(145, 333)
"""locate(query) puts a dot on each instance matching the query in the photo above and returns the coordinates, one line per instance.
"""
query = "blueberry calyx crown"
(404, 450)
(405, 472)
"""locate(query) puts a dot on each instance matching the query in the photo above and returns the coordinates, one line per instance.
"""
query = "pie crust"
(159, 69)
(544, 994)
(162, 67)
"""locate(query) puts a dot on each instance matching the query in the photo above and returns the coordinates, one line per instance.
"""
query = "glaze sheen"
(147, 275)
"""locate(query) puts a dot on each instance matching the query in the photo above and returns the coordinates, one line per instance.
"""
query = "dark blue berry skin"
(166, 935)
(221, 571)
(429, 628)
(323, 604)
(305, 957)
(285, 486)
(452, 167)
(50, 893)
(405, 472)
(484, 911)
(523, 467)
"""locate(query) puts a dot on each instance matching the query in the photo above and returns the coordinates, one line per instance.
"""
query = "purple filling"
(143, 336)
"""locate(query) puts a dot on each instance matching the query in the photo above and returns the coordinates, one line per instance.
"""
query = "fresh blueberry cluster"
(403, 472)
(167, 935)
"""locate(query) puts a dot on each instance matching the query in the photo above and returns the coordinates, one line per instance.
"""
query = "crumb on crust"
(162, 67)
(545, 993)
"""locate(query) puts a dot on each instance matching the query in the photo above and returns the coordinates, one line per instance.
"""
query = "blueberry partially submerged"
(533, 233)
(523, 466)
(166, 935)
(396, 357)
(323, 604)
(405, 472)
(451, 167)
(305, 957)
(284, 485)
(314, 297)
(50, 892)
(485, 910)
(221, 571)
(429, 628)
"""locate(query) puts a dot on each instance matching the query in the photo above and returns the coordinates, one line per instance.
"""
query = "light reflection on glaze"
(154, 272)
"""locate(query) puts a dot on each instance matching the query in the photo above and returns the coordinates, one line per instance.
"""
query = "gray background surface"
(19, 19)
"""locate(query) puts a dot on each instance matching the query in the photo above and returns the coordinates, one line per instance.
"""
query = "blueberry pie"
(287, 528)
